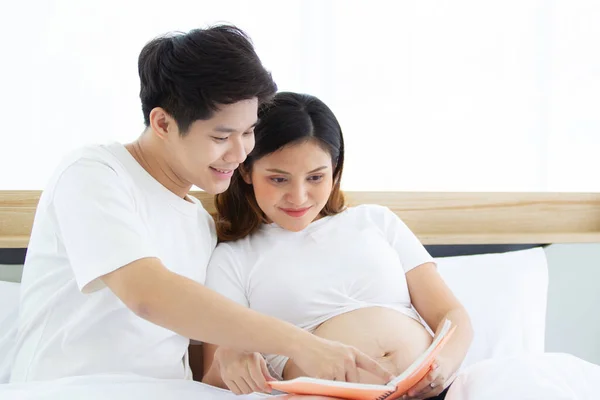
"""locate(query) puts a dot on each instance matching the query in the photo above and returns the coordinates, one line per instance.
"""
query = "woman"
(290, 248)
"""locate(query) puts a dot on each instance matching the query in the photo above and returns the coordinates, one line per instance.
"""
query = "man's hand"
(327, 359)
(243, 372)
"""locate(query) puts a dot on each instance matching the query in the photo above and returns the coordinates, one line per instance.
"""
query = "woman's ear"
(245, 174)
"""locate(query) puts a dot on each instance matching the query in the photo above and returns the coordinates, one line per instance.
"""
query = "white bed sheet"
(118, 387)
(9, 301)
(549, 376)
(530, 377)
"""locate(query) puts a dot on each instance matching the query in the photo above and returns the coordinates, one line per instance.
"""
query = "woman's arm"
(435, 302)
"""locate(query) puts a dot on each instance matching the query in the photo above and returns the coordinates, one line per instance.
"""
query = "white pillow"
(505, 295)
(9, 311)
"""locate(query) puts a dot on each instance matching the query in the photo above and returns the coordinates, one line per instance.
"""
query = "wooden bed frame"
(436, 218)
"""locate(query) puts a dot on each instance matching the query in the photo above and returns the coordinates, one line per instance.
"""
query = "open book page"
(361, 391)
(320, 387)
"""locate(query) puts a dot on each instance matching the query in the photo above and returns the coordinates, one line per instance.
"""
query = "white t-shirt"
(101, 211)
(352, 260)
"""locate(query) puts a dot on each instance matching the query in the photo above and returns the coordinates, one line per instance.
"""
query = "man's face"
(212, 149)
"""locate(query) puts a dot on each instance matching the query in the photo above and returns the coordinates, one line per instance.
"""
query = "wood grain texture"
(436, 218)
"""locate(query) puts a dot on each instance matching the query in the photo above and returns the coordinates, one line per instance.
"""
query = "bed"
(489, 248)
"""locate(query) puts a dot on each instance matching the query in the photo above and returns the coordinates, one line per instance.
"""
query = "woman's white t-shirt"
(101, 211)
(352, 260)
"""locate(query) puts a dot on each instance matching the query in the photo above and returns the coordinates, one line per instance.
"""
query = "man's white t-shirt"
(101, 211)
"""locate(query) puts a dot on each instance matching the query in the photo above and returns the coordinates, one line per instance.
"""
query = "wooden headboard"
(436, 218)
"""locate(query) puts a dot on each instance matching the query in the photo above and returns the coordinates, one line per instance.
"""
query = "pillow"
(9, 310)
(505, 295)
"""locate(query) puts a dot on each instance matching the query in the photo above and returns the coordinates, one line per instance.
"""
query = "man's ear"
(162, 123)
(245, 174)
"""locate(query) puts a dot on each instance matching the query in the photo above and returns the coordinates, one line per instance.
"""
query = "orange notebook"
(363, 391)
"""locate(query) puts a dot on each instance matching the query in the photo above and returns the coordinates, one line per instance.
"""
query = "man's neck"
(153, 159)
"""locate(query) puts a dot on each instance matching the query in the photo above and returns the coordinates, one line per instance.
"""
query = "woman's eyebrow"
(280, 171)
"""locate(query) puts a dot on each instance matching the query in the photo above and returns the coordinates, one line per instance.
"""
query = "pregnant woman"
(291, 248)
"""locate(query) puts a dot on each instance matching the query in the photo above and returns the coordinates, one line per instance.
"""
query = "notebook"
(363, 391)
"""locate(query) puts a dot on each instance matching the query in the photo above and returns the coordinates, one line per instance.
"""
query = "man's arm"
(184, 306)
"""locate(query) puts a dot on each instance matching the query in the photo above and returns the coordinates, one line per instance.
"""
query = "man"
(114, 270)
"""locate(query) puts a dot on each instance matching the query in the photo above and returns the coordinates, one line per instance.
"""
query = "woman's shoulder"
(232, 247)
(242, 248)
(229, 256)
(369, 211)
(373, 215)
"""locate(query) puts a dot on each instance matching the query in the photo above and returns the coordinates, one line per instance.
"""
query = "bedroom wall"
(475, 96)
(573, 318)
(10, 273)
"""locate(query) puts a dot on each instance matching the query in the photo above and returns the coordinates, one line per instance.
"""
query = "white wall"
(448, 96)
(573, 317)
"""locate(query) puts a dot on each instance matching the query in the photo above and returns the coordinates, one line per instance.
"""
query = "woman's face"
(293, 184)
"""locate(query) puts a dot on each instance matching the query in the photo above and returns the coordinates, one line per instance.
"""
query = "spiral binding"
(386, 395)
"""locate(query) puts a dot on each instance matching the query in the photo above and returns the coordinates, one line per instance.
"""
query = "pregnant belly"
(390, 337)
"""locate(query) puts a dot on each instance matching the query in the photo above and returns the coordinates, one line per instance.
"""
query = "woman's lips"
(295, 212)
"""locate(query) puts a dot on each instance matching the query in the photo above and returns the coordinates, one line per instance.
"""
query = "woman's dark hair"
(289, 119)
(190, 74)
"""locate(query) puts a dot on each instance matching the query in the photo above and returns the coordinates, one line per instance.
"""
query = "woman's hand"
(431, 385)
(243, 372)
